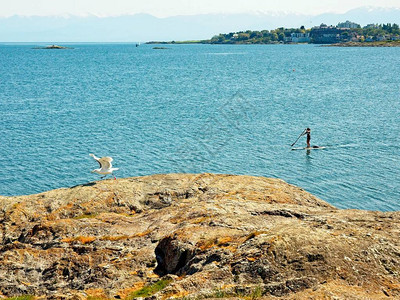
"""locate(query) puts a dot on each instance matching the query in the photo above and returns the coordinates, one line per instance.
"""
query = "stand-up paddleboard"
(310, 148)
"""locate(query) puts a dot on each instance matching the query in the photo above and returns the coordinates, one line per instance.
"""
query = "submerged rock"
(187, 235)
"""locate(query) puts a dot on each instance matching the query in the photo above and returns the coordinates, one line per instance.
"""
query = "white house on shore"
(298, 37)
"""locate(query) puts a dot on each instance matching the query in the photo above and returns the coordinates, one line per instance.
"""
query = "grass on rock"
(150, 289)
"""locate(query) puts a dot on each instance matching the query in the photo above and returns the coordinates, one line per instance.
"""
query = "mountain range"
(145, 27)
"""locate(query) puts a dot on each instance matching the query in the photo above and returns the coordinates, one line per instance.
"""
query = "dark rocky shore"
(194, 236)
(53, 47)
(366, 44)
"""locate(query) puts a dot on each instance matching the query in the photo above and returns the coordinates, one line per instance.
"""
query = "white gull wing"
(95, 158)
(105, 162)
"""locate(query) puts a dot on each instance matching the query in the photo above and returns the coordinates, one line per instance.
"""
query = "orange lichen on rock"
(114, 238)
(96, 294)
(82, 239)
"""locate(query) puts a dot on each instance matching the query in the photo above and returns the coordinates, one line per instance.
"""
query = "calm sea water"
(204, 108)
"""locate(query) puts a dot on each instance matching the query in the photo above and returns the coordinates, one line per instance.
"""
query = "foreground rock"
(201, 236)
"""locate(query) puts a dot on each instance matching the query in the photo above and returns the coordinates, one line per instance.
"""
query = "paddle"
(298, 137)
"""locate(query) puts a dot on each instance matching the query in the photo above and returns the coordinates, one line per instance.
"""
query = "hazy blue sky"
(164, 8)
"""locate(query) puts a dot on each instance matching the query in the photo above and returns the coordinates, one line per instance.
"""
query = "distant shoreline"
(365, 44)
(344, 44)
(177, 42)
(208, 42)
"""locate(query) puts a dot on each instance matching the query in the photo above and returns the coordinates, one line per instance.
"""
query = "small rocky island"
(194, 236)
(53, 47)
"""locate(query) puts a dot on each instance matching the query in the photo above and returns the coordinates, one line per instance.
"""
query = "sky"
(165, 8)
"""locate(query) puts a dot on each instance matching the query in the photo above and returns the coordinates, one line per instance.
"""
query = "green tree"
(274, 37)
(395, 29)
(266, 40)
(345, 35)
(265, 33)
(255, 34)
(243, 36)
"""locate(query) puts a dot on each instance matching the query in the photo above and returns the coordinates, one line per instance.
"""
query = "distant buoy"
(294, 70)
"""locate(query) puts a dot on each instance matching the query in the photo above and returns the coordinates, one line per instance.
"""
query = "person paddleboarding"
(307, 132)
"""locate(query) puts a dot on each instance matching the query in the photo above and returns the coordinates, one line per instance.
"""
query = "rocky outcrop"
(53, 47)
(201, 236)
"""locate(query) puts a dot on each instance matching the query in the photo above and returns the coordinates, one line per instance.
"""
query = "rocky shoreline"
(366, 44)
(194, 236)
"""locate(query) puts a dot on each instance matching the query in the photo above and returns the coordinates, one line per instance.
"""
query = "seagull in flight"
(105, 166)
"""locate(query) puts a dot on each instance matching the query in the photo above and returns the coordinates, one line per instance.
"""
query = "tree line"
(278, 35)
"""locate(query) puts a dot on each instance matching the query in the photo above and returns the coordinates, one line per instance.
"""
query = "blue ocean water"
(203, 108)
